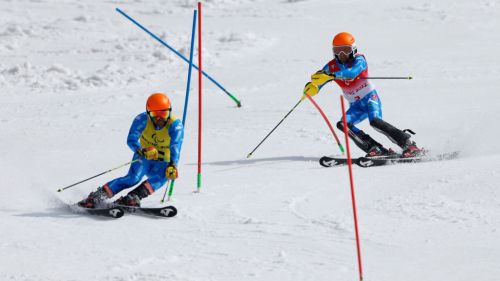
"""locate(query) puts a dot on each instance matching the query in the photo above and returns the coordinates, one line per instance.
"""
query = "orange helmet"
(344, 43)
(344, 38)
(158, 101)
(158, 105)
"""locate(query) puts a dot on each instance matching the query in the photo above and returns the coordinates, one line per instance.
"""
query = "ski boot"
(130, 200)
(134, 197)
(380, 151)
(94, 199)
(411, 150)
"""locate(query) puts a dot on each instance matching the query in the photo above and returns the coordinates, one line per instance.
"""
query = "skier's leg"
(373, 107)
(394, 134)
(134, 175)
(157, 175)
(397, 136)
(355, 115)
(133, 198)
(156, 179)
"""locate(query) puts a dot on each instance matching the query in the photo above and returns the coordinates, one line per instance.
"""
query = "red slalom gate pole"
(199, 98)
(349, 164)
(327, 122)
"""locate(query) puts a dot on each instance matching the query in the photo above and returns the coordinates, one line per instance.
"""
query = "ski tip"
(169, 211)
(117, 213)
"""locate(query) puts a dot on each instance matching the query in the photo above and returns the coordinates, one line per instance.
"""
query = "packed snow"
(74, 74)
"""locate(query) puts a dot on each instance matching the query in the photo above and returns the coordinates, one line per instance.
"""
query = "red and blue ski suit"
(360, 93)
(364, 102)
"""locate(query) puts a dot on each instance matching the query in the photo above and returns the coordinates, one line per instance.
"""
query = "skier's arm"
(318, 80)
(135, 132)
(176, 132)
(358, 66)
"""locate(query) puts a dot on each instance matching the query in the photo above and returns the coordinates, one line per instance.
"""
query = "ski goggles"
(343, 49)
(163, 114)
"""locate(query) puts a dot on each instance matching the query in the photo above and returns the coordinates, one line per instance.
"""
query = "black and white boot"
(380, 151)
(134, 197)
(94, 199)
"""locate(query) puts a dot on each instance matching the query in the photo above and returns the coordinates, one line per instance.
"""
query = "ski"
(167, 212)
(327, 161)
(366, 162)
(111, 212)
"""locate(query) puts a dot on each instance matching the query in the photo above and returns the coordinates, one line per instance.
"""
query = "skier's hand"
(310, 89)
(150, 153)
(321, 77)
(171, 172)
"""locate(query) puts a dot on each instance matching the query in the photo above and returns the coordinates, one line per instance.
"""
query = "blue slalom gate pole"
(186, 99)
(189, 69)
(238, 102)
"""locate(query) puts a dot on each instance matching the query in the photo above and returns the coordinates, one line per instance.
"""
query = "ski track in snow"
(74, 75)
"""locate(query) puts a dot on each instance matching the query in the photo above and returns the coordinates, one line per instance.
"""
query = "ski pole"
(123, 165)
(327, 122)
(250, 154)
(376, 78)
(387, 77)
(171, 183)
(171, 190)
(238, 102)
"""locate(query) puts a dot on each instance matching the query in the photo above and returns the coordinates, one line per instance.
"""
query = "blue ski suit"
(143, 133)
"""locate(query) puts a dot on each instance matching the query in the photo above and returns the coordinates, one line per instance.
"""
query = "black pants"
(367, 143)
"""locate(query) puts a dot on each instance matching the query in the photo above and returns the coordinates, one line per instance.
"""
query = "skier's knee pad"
(340, 125)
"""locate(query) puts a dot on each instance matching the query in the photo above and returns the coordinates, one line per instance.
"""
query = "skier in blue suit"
(155, 137)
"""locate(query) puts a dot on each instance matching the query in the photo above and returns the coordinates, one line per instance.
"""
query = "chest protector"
(160, 139)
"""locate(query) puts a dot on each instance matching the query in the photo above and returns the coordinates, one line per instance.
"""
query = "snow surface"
(73, 75)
